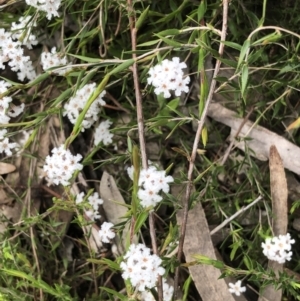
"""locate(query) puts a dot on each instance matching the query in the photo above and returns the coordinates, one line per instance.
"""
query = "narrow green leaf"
(114, 293)
(248, 262)
(173, 104)
(232, 45)
(122, 67)
(77, 126)
(268, 39)
(150, 43)
(140, 221)
(244, 78)
(204, 135)
(38, 80)
(168, 32)
(244, 50)
(170, 42)
(142, 18)
(85, 58)
(201, 10)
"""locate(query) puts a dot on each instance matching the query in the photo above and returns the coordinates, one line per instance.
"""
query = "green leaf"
(173, 104)
(104, 261)
(232, 45)
(169, 41)
(142, 18)
(235, 247)
(244, 78)
(140, 221)
(204, 136)
(268, 39)
(122, 66)
(114, 293)
(244, 50)
(150, 43)
(85, 58)
(168, 32)
(201, 10)
(248, 262)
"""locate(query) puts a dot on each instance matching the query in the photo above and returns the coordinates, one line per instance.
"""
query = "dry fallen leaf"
(260, 140)
(6, 168)
(114, 207)
(198, 241)
(279, 195)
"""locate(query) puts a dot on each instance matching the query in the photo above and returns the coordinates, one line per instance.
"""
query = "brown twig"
(195, 146)
(120, 107)
(140, 122)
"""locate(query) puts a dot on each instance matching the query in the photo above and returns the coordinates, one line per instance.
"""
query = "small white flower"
(4, 86)
(141, 268)
(53, 59)
(79, 198)
(22, 31)
(105, 233)
(76, 104)
(130, 172)
(95, 200)
(6, 146)
(49, 6)
(61, 165)
(278, 248)
(168, 76)
(151, 183)
(92, 214)
(15, 111)
(102, 133)
(236, 288)
(2, 134)
(167, 289)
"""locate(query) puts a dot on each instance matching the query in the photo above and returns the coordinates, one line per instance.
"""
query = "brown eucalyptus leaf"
(6, 168)
(259, 139)
(279, 195)
(198, 241)
(114, 207)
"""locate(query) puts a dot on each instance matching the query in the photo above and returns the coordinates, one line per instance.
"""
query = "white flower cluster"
(60, 167)
(7, 109)
(278, 248)
(76, 104)
(105, 233)
(5, 145)
(151, 183)
(102, 133)
(141, 268)
(49, 6)
(11, 50)
(167, 289)
(94, 201)
(236, 288)
(22, 31)
(169, 76)
(53, 59)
